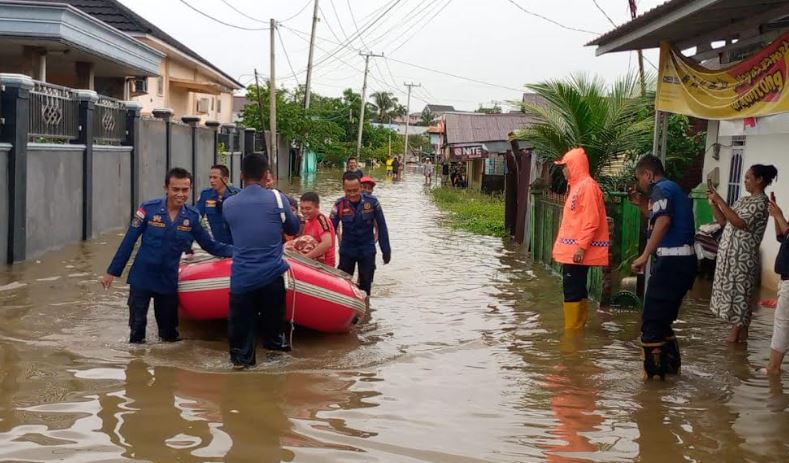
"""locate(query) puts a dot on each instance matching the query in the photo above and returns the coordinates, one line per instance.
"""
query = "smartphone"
(710, 185)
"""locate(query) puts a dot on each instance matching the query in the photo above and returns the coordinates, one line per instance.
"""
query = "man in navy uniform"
(211, 200)
(167, 226)
(360, 214)
(257, 217)
(671, 233)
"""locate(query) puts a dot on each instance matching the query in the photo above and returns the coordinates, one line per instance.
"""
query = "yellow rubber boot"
(583, 315)
(575, 314)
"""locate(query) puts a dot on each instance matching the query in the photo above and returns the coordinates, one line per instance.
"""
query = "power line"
(430, 18)
(297, 13)
(287, 57)
(604, 13)
(424, 68)
(544, 18)
(222, 22)
(328, 25)
(353, 18)
(339, 21)
(242, 13)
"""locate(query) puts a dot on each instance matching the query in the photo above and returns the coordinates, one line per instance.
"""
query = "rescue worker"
(319, 227)
(671, 231)
(360, 214)
(258, 218)
(167, 226)
(582, 241)
(353, 167)
(211, 199)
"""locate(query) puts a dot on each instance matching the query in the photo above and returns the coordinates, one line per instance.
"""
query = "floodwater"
(461, 359)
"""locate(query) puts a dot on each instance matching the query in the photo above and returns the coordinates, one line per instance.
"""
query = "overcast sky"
(486, 40)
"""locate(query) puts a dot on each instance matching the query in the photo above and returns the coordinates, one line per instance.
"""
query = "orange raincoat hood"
(584, 221)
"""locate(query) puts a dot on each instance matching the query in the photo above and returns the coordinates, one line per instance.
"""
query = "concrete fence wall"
(204, 159)
(112, 187)
(152, 155)
(4, 149)
(182, 147)
(54, 196)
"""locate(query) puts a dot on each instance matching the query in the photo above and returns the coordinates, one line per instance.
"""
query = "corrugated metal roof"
(687, 23)
(477, 127)
(126, 20)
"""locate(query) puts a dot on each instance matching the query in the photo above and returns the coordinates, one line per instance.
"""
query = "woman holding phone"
(736, 267)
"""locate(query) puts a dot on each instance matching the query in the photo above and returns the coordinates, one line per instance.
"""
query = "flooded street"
(461, 359)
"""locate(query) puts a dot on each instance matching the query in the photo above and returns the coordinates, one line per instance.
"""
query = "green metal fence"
(546, 216)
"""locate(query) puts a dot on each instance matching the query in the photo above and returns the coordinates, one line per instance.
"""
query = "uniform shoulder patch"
(323, 223)
(140, 214)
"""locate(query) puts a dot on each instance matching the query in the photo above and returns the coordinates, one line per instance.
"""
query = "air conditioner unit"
(139, 86)
(202, 105)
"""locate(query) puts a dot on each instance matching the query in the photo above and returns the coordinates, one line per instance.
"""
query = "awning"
(688, 23)
(194, 86)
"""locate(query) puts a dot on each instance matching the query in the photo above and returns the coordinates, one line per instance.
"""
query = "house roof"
(687, 23)
(117, 15)
(439, 108)
(476, 127)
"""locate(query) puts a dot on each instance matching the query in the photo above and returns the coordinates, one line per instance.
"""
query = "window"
(160, 86)
(212, 103)
(735, 169)
(219, 105)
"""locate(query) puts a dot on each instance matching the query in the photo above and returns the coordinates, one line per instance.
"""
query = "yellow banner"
(753, 87)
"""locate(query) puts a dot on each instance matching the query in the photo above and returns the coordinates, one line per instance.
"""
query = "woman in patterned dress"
(737, 266)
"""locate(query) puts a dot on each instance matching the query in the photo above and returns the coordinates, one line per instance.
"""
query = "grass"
(476, 212)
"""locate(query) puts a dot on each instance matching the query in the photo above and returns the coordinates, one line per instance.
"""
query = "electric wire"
(229, 5)
(287, 57)
(223, 22)
(430, 18)
(604, 13)
(545, 18)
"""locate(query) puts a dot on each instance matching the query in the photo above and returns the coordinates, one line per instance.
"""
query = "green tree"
(427, 117)
(385, 106)
(607, 121)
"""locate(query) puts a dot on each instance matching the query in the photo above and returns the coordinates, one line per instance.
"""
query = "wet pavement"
(461, 359)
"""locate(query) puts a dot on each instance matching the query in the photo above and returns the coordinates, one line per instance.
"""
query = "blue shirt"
(358, 172)
(668, 199)
(358, 225)
(210, 206)
(255, 221)
(155, 267)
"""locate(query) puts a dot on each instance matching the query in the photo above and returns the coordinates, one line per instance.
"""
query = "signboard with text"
(468, 152)
(753, 87)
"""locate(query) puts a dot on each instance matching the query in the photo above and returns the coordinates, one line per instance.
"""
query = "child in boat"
(294, 207)
(368, 185)
(319, 227)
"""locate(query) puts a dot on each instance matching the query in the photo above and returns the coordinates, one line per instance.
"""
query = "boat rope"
(293, 306)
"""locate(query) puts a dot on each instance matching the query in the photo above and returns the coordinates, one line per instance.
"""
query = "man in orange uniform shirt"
(319, 227)
(582, 241)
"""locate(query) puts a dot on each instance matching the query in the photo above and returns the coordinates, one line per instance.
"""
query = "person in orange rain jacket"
(582, 241)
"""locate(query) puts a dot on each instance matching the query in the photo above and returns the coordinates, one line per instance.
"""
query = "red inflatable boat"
(318, 297)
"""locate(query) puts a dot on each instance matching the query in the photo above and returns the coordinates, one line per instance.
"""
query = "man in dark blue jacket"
(360, 214)
(212, 199)
(167, 226)
(257, 217)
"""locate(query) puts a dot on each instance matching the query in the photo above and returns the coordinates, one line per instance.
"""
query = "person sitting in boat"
(258, 218)
(320, 228)
(210, 203)
(368, 185)
(167, 226)
(359, 213)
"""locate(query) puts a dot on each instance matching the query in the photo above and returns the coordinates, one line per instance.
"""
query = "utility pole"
(367, 57)
(408, 116)
(633, 14)
(260, 101)
(272, 96)
(308, 80)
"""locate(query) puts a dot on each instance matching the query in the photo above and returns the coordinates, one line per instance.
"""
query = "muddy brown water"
(462, 359)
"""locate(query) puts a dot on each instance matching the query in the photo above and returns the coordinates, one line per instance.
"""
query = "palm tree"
(609, 122)
(386, 106)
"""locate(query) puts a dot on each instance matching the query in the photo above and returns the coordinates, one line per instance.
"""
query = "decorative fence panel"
(54, 114)
(109, 121)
